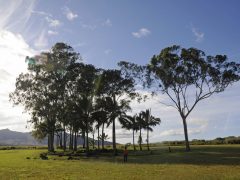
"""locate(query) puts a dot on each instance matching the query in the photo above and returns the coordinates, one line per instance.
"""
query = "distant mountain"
(14, 138)
(8, 137)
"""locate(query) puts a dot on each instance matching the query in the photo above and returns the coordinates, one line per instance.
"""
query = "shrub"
(43, 156)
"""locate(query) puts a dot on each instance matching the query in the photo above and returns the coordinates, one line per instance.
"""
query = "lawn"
(203, 162)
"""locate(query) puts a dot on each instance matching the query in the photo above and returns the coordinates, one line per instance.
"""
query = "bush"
(43, 156)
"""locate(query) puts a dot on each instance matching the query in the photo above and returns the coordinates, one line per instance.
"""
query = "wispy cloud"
(69, 14)
(42, 13)
(41, 42)
(53, 22)
(143, 32)
(198, 34)
(107, 22)
(80, 44)
(10, 10)
(50, 32)
(88, 26)
(107, 51)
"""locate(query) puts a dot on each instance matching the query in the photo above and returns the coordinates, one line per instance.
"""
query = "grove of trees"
(64, 96)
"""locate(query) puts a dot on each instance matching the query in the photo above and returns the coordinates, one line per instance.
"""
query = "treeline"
(219, 140)
(66, 97)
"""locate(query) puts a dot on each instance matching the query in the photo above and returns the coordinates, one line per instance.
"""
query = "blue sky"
(107, 31)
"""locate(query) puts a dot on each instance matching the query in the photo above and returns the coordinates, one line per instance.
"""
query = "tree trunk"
(148, 139)
(70, 140)
(51, 142)
(98, 139)
(87, 144)
(140, 139)
(49, 139)
(103, 136)
(93, 141)
(114, 138)
(58, 141)
(133, 142)
(75, 141)
(186, 134)
(60, 138)
(72, 143)
(83, 136)
(52, 145)
(64, 139)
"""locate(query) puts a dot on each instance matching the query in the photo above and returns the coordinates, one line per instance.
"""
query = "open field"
(203, 162)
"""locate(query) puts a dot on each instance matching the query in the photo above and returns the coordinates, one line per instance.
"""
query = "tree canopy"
(64, 95)
(186, 76)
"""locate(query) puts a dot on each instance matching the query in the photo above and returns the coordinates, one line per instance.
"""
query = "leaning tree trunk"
(186, 133)
(133, 142)
(114, 138)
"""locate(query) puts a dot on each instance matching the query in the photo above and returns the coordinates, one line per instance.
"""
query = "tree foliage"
(66, 97)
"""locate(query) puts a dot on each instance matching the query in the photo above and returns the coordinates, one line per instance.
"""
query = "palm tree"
(149, 121)
(140, 124)
(129, 122)
(100, 117)
(116, 110)
(117, 88)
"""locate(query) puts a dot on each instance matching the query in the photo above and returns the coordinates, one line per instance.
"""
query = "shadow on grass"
(199, 155)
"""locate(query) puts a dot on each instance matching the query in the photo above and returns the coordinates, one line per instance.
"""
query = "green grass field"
(203, 162)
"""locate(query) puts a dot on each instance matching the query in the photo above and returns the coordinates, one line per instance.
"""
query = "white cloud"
(143, 32)
(198, 122)
(41, 42)
(4, 75)
(107, 22)
(53, 22)
(198, 35)
(50, 32)
(180, 132)
(69, 14)
(13, 50)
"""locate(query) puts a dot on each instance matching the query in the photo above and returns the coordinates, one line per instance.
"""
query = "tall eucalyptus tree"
(186, 76)
(38, 89)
